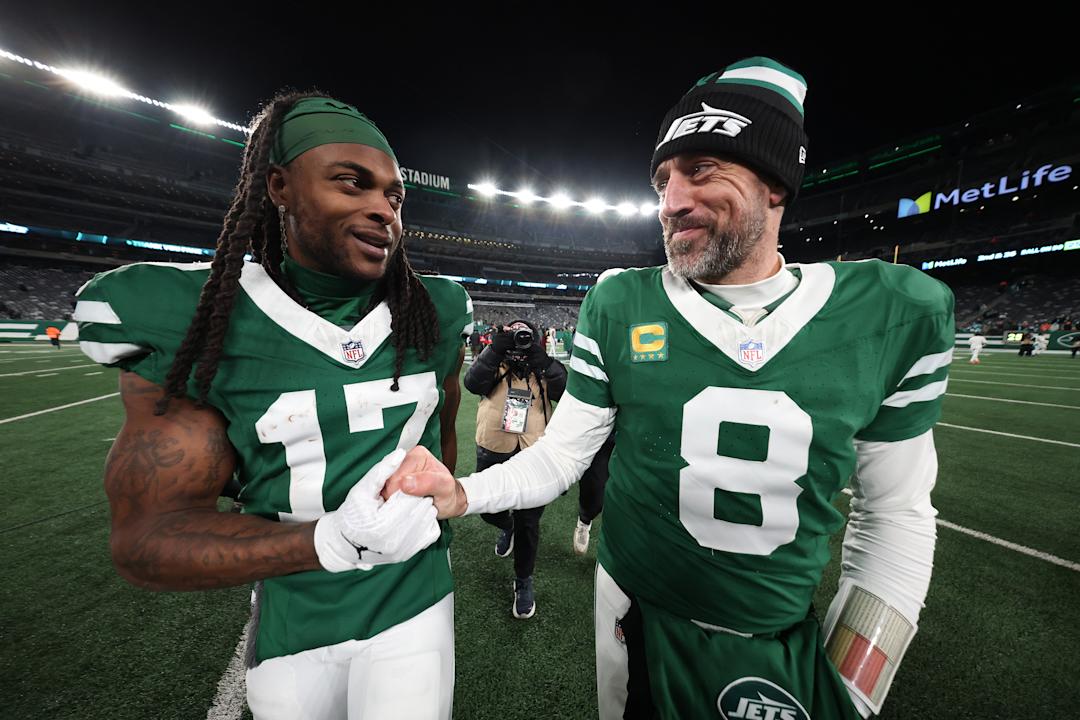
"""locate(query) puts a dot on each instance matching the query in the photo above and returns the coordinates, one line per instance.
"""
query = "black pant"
(525, 523)
(593, 481)
(1026, 350)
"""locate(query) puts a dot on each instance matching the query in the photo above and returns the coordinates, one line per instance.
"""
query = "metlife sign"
(1004, 255)
(1005, 185)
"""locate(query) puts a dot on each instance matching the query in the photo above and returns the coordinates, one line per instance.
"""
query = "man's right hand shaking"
(423, 475)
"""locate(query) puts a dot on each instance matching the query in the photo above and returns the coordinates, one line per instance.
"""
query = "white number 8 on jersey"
(772, 479)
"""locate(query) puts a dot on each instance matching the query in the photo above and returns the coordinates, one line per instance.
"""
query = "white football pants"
(404, 673)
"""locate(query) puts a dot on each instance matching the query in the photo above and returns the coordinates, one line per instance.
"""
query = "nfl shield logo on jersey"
(752, 353)
(353, 352)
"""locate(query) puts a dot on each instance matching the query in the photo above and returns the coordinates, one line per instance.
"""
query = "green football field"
(999, 637)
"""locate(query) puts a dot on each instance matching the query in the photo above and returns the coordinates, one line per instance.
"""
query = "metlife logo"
(1005, 185)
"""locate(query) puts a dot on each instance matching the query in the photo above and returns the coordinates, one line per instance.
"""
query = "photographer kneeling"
(518, 382)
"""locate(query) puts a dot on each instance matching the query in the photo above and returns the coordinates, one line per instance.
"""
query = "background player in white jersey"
(976, 342)
(745, 393)
(311, 364)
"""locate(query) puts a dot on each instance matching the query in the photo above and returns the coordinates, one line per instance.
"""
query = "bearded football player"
(746, 392)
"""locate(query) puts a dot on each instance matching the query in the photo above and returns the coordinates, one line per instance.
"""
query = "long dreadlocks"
(251, 224)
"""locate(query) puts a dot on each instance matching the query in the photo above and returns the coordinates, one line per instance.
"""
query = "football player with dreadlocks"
(307, 373)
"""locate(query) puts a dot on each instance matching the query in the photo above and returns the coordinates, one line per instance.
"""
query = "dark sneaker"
(524, 601)
(505, 544)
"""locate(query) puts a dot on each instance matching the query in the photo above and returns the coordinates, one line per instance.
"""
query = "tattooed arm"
(163, 477)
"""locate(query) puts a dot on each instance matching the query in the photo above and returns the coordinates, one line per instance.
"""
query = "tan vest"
(489, 415)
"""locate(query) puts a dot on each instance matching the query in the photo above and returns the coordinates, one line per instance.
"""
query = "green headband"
(320, 121)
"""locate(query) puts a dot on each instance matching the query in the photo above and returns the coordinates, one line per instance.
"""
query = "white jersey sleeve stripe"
(906, 397)
(95, 311)
(467, 330)
(929, 363)
(588, 345)
(108, 353)
(585, 368)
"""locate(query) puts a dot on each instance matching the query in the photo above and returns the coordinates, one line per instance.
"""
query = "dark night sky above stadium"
(568, 98)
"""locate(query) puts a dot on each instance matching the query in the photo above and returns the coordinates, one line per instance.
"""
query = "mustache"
(685, 222)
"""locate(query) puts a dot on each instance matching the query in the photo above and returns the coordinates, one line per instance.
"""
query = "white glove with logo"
(366, 531)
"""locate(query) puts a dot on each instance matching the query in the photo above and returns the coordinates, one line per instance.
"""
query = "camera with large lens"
(523, 339)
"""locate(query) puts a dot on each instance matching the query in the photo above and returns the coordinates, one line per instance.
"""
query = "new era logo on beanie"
(752, 111)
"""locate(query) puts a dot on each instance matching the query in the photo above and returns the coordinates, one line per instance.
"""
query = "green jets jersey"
(310, 410)
(732, 441)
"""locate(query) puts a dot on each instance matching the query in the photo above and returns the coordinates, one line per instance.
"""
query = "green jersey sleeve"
(918, 349)
(136, 316)
(587, 377)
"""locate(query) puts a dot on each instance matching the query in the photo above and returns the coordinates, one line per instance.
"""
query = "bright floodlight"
(626, 209)
(486, 189)
(194, 114)
(526, 196)
(647, 209)
(596, 206)
(94, 83)
(560, 201)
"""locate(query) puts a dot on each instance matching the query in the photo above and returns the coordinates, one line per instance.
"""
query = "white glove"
(366, 531)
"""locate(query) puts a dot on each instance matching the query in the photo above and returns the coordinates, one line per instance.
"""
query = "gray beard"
(725, 250)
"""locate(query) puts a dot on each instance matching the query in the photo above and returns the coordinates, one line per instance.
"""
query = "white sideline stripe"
(45, 375)
(995, 382)
(1075, 567)
(31, 372)
(1018, 374)
(1003, 543)
(94, 373)
(1021, 437)
(1022, 402)
(231, 697)
(58, 407)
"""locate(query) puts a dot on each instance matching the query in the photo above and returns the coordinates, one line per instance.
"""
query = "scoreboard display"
(1012, 337)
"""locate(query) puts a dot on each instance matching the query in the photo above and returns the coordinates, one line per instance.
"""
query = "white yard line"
(1012, 546)
(231, 697)
(953, 379)
(31, 372)
(1040, 376)
(1003, 543)
(58, 407)
(1005, 434)
(1022, 402)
